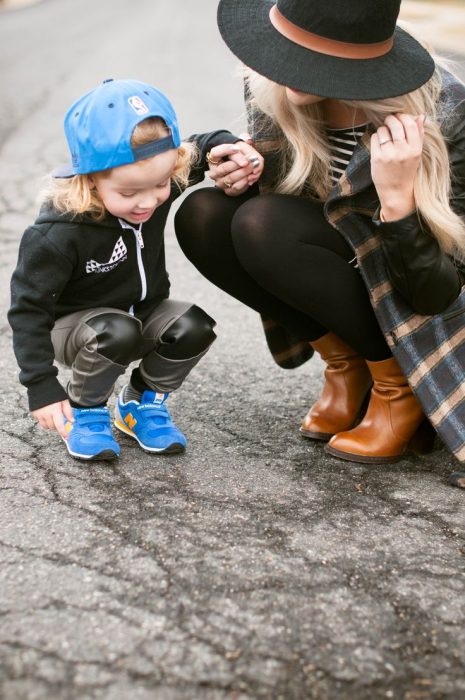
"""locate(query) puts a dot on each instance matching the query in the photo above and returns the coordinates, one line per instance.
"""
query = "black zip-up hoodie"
(70, 264)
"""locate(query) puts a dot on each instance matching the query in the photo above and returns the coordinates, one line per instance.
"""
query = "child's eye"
(164, 184)
(127, 194)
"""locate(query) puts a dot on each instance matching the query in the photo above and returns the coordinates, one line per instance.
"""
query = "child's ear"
(91, 182)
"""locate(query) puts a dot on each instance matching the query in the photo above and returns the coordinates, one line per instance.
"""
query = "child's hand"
(396, 150)
(235, 167)
(51, 417)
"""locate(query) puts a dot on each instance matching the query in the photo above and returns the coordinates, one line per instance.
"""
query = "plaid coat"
(430, 349)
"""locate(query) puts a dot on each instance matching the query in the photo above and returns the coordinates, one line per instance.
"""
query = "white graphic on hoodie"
(119, 254)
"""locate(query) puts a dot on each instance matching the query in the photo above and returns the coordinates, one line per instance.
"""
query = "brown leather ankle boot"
(391, 421)
(347, 382)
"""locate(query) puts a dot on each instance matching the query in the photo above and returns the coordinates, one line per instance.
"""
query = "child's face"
(133, 192)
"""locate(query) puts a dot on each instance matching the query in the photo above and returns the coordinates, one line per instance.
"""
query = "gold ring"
(211, 160)
(227, 184)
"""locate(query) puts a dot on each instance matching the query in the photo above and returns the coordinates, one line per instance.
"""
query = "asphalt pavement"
(252, 566)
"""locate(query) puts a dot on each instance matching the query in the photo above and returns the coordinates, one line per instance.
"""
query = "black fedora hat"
(344, 49)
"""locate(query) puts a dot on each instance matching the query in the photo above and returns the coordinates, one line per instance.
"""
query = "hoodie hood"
(49, 215)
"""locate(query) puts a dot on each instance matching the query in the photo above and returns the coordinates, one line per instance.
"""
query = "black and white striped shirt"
(342, 144)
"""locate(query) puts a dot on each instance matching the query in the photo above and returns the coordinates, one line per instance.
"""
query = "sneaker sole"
(103, 456)
(172, 449)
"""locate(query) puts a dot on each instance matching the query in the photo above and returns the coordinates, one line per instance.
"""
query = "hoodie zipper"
(139, 245)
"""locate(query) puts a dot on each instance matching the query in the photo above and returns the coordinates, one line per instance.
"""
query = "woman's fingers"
(250, 160)
(402, 131)
(396, 149)
(383, 136)
(234, 168)
(217, 153)
(396, 128)
(251, 153)
(230, 175)
(234, 183)
(241, 152)
(237, 164)
(413, 129)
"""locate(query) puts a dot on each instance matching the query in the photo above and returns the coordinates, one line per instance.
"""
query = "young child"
(90, 289)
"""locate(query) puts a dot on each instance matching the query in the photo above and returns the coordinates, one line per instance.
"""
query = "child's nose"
(148, 200)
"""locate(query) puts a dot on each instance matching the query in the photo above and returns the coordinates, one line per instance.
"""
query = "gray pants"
(83, 342)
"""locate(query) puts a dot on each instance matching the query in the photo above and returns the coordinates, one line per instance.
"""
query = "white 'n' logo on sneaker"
(120, 253)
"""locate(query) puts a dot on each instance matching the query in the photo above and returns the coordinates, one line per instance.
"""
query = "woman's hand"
(51, 417)
(396, 150)
(235, 167)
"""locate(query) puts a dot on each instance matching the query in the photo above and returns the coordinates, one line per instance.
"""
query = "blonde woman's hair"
(305, 157)
(77, 195)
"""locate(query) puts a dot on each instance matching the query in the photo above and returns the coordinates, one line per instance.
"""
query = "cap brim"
(65, 171)
(246, 28)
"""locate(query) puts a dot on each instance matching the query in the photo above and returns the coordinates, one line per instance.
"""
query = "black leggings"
(278, 255)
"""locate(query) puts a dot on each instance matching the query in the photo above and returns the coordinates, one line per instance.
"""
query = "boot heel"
(422, 441)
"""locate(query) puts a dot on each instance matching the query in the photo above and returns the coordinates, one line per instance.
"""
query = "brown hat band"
(320, 44)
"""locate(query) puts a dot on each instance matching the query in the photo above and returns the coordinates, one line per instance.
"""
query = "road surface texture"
(253, 566)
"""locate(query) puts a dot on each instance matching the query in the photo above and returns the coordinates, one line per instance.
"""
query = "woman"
(355, 246)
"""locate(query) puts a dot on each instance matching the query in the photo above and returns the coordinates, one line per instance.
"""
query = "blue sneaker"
(89, 437)
(149, 423)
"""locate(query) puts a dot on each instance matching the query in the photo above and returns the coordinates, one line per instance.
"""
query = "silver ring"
(381, 143)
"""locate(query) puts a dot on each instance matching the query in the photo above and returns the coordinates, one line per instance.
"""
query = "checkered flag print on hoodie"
(119, 252)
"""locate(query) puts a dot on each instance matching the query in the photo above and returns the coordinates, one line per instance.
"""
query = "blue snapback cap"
(99, 126)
